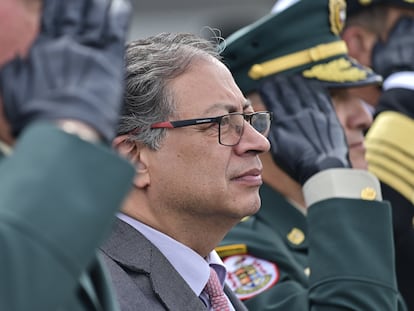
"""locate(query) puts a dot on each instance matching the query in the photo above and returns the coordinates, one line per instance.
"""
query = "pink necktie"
(215, 291)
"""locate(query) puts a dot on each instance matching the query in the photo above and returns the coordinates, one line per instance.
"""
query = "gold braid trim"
(338, 70)
(314, 54)
(390, 151)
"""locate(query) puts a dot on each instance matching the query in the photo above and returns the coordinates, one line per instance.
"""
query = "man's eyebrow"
(221, 106)
(229, 107)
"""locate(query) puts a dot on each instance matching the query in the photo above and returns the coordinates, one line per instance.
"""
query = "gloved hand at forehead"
(74, 69)
(397, 53)
(306, 136)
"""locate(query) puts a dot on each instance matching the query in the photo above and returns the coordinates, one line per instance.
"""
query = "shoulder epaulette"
(390, 151)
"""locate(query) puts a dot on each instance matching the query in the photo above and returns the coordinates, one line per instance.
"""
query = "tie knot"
(215, 291)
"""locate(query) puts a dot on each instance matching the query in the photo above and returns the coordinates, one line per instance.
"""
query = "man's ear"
(136, 153)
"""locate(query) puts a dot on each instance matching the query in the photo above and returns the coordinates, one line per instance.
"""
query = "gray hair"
(151, 64)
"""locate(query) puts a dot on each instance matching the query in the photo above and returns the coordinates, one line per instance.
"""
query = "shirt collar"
(193, 268)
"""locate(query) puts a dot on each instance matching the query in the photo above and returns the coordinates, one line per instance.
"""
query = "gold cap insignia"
(337, 15)
(368, 193)
(296, 236)
(338, 70)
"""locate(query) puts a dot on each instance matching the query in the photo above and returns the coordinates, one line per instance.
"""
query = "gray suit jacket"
(144, 279)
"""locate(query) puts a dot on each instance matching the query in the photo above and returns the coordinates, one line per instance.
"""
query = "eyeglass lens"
(231, 129)
(231, 126)
(261, 122)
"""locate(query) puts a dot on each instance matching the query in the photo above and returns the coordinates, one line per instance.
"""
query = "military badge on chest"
(248, 276)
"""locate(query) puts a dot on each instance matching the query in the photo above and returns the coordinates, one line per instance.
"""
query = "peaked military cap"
(303, 38)
(355, 6)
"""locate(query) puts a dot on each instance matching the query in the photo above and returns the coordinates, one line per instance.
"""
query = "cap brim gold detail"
(314, 54)
(338, 70)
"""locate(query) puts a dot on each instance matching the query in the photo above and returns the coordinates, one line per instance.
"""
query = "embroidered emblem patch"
(249, 276)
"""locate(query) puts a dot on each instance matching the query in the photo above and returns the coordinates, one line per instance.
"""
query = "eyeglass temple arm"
(173, 124)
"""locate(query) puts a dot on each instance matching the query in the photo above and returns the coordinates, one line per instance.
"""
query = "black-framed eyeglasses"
(231, 125)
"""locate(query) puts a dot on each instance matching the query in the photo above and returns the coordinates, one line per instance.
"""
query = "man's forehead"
(230, 107)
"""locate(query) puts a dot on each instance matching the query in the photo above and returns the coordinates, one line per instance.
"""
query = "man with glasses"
(195, 142)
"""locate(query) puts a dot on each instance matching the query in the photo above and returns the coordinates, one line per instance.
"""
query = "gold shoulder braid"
(390, 152)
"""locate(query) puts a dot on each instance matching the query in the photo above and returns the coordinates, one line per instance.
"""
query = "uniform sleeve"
(350, 261)
(58, 197)
(351, 255)
(341, 183)
(351, 241)
(403, 216)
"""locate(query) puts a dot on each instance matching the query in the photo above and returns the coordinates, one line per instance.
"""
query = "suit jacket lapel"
(95, 290)
(131, 249)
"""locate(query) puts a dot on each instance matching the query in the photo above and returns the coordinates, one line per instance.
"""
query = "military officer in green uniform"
(380, 33)
(322, 239)
(61, 184)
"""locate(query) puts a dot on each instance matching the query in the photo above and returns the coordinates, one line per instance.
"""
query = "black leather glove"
(397, 54)
(306, 136)
(74, 69)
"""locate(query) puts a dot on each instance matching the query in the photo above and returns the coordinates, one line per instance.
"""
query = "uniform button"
(368, 193)
(307, 271)
(296, 236)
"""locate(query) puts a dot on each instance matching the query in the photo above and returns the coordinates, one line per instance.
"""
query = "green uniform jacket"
(58, 197)
(339, 257)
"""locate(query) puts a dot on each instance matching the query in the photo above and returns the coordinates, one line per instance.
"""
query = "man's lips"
(252, 177)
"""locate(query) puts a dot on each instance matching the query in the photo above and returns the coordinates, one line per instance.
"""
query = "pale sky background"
(155, 16)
